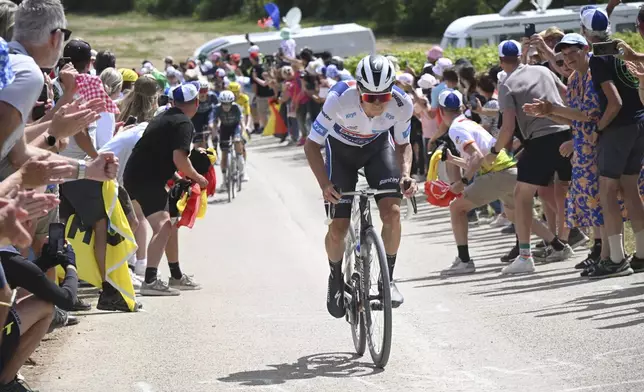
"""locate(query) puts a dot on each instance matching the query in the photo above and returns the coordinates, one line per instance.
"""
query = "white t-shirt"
(122, 144)
(464, 132)
(288, 47)
(22, 94)
(73, 150)
(105, 128)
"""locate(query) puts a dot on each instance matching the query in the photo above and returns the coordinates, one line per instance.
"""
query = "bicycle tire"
(381, 358)
(229, 182)
(358, 330)
(239, 175)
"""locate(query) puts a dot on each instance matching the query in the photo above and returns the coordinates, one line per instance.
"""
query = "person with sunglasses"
(227, 118)
(354, 127)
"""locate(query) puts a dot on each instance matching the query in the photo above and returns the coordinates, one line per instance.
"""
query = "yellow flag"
(432, 171)
(120, 247)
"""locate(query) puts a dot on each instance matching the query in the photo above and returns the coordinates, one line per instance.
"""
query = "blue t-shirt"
(611, 68)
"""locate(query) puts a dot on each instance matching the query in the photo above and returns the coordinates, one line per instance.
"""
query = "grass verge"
(135, 37)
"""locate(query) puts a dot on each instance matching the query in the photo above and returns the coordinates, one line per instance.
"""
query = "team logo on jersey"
(319, 129)
(351, 115)
(457, 140)
(326, 115)
(389, 116)
(399, 101)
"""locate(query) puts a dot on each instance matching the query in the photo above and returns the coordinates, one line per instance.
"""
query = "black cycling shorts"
(541, 159)
(380, 166)
(152, 198)
(226, 133)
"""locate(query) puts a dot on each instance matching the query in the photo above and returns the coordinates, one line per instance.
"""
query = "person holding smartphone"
(620, 146)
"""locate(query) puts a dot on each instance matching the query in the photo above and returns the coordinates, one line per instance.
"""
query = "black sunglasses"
(67, 33)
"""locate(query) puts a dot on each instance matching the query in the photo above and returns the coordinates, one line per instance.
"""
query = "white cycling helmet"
(375, 74)
(226, 96)
(203, 85)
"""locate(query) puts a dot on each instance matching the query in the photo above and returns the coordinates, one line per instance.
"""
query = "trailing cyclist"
(356, 125)
(207, 102)
(227, 119)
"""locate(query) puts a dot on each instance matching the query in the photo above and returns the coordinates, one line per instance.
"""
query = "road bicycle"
(367, 295)
(234, 173)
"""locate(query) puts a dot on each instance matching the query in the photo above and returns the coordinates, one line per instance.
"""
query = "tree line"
(400, 17)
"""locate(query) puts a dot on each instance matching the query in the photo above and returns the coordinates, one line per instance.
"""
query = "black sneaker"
(637, 264)
(81, 306)
(591, 261)
(541, 244)
(509, 229)
(335, 297)
(608, 269)
(16, 386)
(577, 238)
(112, 301)
(62, 319)
(512, 255)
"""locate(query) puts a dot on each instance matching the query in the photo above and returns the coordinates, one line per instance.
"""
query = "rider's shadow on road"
(333, 365)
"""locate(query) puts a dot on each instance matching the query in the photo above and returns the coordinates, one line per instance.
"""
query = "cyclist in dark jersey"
(227, 117)
(201, 120)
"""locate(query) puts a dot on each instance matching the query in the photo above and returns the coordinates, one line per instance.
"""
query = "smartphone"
(529, 30)
(38, 112)
(131, 121)
(473, 104)
(64, 61)
(606, 48)
(56, 238)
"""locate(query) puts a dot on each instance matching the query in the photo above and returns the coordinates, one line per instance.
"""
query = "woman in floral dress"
(583, 113)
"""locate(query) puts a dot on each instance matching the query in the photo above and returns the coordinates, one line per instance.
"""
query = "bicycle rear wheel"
(377, 298)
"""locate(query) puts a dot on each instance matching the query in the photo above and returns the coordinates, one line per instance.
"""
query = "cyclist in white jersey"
(358, 125)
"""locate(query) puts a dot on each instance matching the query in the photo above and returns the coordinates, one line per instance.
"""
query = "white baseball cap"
(450, 99)
(509, 48)
(427, 81)
(441, 65)
(405, 78)
(595, 19)
(220, 72)
(253, 49)
(184, 93)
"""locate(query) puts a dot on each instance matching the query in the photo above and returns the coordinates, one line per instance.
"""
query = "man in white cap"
(541, 159)
(620, 148)
(162, 150)
(481, 182)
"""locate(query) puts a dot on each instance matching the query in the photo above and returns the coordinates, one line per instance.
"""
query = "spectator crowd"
(90, 152)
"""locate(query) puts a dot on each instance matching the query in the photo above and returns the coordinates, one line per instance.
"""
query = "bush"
(482, 58)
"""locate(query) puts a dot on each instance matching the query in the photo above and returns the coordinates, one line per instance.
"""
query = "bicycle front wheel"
(229, 178)
(240, 175)
(377, 298)
(357, 320)
(233, 177)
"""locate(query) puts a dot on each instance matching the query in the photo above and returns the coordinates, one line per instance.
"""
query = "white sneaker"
(459, 268)
(158, 288)
(500, 221)
(245, 177)
(521, 265)
(560, 255)
(139, 267)
(185, 283)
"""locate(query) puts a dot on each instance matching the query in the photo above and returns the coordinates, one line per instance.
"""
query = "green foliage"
(482, 58)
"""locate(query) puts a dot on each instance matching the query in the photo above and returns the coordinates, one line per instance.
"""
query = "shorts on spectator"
(10, 337)
(540, 160)
(493, 186)
(152, 198)
(262, 106)
(620, 150)
(42, 225)
(84, 198)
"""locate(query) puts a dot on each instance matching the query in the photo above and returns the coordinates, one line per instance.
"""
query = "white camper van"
(479, 30)
(342, 40)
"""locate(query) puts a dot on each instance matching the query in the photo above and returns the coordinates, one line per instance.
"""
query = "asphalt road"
(260, 323)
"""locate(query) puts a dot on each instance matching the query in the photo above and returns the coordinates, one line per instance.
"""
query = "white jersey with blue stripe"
(343, 119)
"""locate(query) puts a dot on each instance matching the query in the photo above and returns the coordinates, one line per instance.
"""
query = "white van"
(479, 30)
(341, 40)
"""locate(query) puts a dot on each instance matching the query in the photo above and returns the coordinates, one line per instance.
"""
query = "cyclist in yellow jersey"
(482, 182)
(243, 101)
